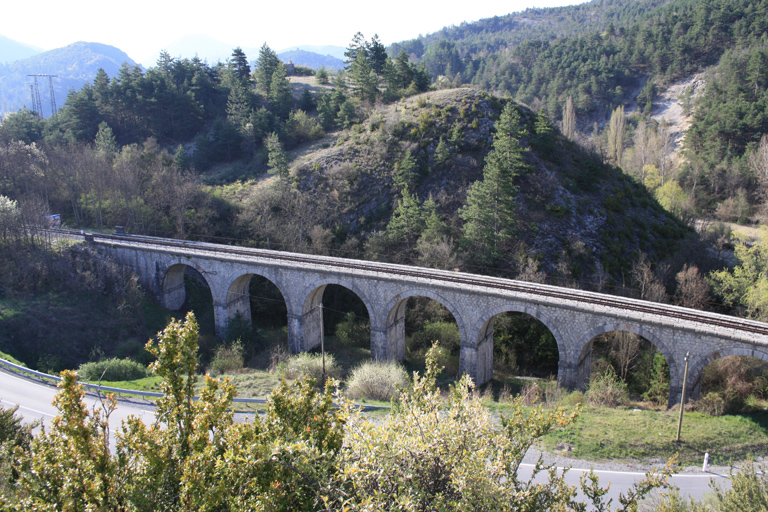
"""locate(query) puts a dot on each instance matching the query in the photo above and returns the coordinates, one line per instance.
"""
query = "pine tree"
(278, 160)
(364, 80)
(405, 173)
(105, 140)
(442, 153)
(407, 221)
(238, 62)
(377, 55)
(280, 97)
(489, 214)
(266, 65)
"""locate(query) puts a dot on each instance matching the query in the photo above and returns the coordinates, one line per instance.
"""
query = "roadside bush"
(112, 370)
(377, 380)
(311, 366)
(228, 358)
(607, 390)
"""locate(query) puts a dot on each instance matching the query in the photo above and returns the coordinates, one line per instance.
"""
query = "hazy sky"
(142, 27)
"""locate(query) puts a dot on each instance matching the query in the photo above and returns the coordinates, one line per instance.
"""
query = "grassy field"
(609, 434)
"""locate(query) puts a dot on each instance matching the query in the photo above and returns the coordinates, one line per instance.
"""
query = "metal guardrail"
(96, 387)
(26, 372)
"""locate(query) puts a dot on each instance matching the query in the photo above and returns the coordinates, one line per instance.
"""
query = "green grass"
(601, 434)
(151, 383)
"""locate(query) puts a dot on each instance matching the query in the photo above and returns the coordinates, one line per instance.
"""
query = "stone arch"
(696, 370)
(237, 298)
(311, 314)
(172, 291)
(584, 361)
(485, 337)
(393, 315)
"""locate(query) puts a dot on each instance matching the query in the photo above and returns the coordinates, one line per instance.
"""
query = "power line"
(34, 89)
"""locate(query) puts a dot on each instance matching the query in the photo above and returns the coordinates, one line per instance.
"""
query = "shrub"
(607, 390)
(377, 380)
(353, 331)
(447, 333)
(228, 358)
(112, 370)
(712, 404)
(311, 366)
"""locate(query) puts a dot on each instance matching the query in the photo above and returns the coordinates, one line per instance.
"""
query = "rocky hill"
(576, 216)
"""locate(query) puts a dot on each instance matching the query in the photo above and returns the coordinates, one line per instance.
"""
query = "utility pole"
(682, 397)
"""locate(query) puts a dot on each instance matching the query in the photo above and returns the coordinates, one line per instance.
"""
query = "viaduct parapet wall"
(574, 317)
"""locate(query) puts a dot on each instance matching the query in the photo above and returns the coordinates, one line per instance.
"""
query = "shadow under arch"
(394, 328)
(312, 329)
(238, 299)
(173, 292)
(696, 370)
(584, 365)
(486, 330)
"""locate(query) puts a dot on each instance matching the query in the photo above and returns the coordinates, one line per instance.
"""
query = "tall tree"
(616, 131)
(266, 65)
(357, 46)
(377, 55)
(364, 80)
(238, 62)
(278, 160)
(489, 214)
(569, 119)
(280, 96)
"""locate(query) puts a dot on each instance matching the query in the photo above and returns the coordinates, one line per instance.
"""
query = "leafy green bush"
(607, 389)
(228, 358)
(353, 331)
(377, 380)
(112, 370)
(447, 333)
(311, 366)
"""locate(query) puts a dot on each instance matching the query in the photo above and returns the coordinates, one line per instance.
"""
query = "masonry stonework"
(574, 323)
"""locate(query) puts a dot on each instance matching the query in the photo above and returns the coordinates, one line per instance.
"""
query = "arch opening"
(731, 384)
(525, 353)
(257, 314)
(337, 316)
(185, 289)
(624, 368)
(413, 324)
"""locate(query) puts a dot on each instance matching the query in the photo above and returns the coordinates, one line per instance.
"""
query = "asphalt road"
(34, 401)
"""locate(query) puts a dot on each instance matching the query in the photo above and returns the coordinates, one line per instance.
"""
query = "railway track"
(548, 291)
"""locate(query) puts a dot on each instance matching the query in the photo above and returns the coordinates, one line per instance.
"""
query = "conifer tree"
(238, 62)
(280, 97)
(278, 160)
(489, 214)
(266, 65)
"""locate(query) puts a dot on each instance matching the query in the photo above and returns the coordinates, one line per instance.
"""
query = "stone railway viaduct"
(574, 317)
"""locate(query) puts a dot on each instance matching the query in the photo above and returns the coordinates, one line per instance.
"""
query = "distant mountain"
(311, 59)
(11, 50)
(333, 51)
(74, 66)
